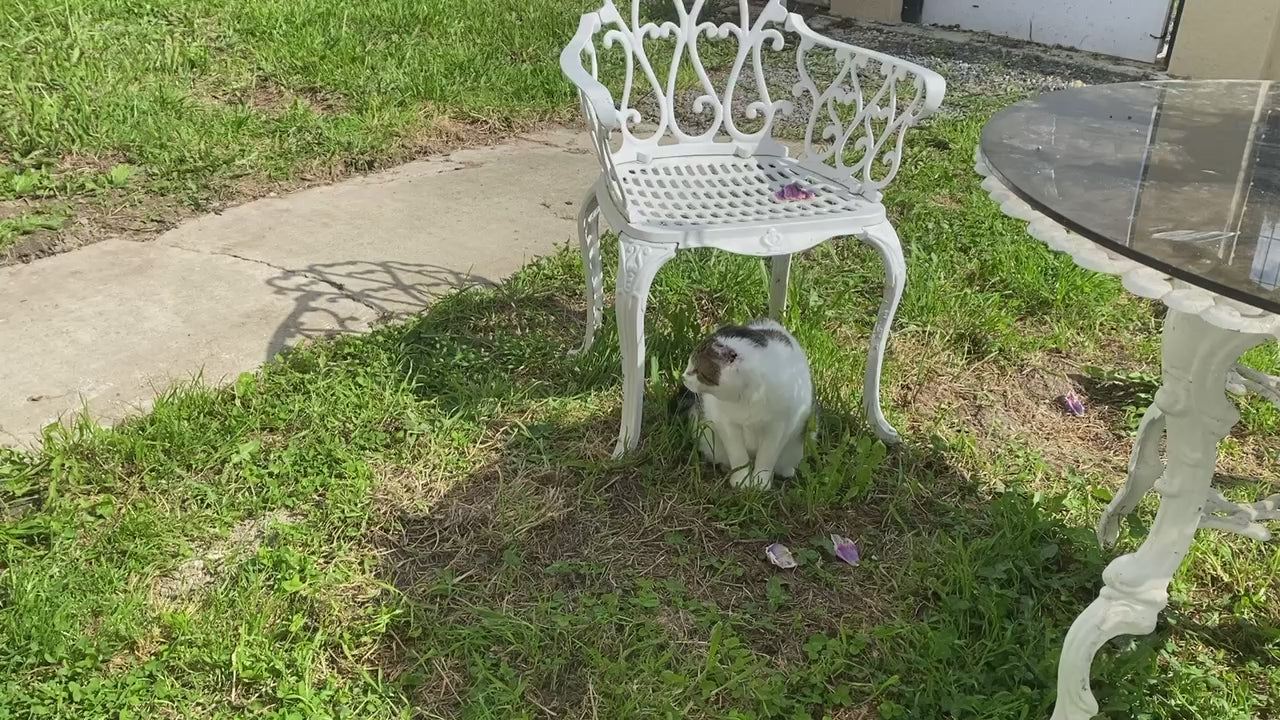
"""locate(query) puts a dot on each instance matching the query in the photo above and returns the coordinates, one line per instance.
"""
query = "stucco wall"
(886, 11)
(1273, 65)
(1120, 28)
(1228, 39)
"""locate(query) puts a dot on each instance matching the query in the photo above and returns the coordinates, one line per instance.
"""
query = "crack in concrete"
(14, 439)
(546, 143)
(341, 289)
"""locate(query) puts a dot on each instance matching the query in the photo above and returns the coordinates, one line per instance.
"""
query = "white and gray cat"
(753, 396)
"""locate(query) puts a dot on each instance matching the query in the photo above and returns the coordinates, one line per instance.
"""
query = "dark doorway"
(912, 10)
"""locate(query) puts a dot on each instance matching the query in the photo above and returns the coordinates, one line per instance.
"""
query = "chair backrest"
(855, 104)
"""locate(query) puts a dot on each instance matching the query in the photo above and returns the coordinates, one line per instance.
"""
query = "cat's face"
(712, 367)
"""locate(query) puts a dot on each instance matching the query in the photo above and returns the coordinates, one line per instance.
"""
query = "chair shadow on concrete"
(352, 296)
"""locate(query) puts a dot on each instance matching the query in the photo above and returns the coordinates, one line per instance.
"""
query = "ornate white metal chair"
(730, 184)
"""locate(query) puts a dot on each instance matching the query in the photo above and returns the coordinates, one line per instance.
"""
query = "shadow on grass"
(1245, 641)
(544, 580)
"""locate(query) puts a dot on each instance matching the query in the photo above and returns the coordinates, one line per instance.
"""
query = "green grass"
(13, 228)
(211, 99)
(423, 523)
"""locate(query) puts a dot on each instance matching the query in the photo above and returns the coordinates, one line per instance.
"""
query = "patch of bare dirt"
(605, 537)
(89, 163)
(187, 583)
(1003, 407)
(112, 215)
(13, 208)
(265, 95)
(949, 202)
(436, 138)
(138, 653)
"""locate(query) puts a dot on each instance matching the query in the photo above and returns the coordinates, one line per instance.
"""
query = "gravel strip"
(974, 64)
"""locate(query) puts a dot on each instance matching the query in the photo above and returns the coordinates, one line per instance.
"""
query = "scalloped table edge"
(1137, 278)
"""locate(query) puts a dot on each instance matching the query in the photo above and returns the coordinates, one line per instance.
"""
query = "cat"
(750, 394)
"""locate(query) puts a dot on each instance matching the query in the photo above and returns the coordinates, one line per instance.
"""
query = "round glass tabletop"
(1182, 176)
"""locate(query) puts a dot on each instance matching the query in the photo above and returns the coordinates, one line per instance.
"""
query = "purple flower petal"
(1073, 404)
(779, 555)
(794, 191)
(846, 549)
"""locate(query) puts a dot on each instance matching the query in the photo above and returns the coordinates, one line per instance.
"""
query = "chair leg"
(589, 239)
(638, 264)
(780, 265)
(885, 240)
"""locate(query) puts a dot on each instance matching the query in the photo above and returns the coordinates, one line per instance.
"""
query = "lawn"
(424, 523)
(129, 114)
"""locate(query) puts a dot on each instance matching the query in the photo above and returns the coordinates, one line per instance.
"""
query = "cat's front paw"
(743, 478)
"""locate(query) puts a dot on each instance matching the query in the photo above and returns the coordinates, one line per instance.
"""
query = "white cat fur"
(753, 416)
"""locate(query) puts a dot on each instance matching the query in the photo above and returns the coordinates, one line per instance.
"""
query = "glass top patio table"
(1181, 176)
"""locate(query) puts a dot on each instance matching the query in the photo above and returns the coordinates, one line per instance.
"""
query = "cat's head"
(710, 364)
(721, 364)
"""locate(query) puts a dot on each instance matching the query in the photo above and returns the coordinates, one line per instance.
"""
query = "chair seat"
(711, 199)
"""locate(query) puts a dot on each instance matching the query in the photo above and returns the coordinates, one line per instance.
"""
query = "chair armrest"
(868, 141)
(595, 96)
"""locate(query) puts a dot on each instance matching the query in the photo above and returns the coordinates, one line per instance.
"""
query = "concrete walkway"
(107, 326)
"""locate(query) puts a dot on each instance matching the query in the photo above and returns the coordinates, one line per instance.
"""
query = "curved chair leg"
(780, 269)
(885, 240)
(638, 264)
(589, 239)
(1197, 415)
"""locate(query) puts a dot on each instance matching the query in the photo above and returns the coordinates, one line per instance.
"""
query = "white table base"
(1204, 336)
(1193, 412)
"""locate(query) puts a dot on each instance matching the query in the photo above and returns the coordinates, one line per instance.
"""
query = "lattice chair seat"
(692, 157)
(726, 195)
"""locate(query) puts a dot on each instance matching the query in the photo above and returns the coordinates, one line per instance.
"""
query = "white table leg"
(1193, 406)
(1145, 468)
(1247, 380)
(780, 274)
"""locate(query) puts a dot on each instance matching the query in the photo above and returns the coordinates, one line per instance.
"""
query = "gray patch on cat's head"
(758, 336)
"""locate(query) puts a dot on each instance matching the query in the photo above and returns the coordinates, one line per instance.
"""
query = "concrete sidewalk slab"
(109, 325)
(395, 239)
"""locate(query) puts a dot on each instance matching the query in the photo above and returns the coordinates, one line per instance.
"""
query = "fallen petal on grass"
(1073, 404)
(781, 556)
(846, 549)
